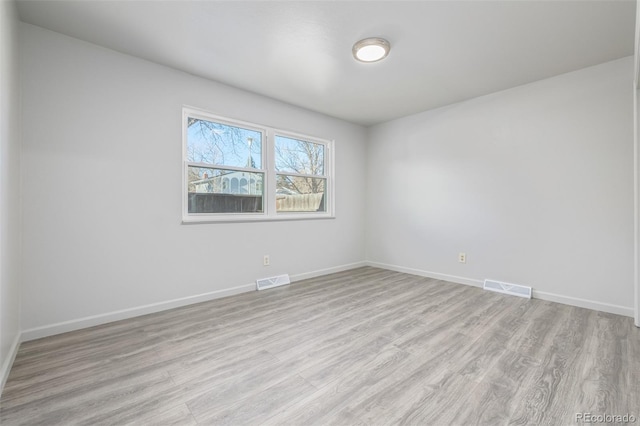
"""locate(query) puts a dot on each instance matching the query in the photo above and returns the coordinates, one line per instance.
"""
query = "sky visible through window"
(295, 156)
(221, 144)
(225, 145)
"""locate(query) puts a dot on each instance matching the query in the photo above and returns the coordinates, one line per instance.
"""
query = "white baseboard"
(428, 274)
(327, 271)
(77, 324)
(542, 295)
(584, 303)
(6, 365)
(63, 327)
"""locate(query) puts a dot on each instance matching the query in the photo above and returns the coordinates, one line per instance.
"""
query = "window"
(235, 171)
(300, 181)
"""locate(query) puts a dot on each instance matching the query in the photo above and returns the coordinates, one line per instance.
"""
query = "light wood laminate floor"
(366, 346)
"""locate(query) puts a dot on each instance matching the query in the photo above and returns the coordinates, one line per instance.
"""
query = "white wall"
(102, 190)
(636, 166)
(9, 188)
(535, 184)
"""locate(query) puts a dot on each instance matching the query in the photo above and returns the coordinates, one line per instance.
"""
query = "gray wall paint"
(102, 187)
(535, 184)
(9, 187)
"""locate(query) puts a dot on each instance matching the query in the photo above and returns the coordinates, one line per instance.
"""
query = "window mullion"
(270, 196)
(302, 175)
(223, 167)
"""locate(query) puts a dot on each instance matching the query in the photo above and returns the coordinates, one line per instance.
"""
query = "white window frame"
(268, 168)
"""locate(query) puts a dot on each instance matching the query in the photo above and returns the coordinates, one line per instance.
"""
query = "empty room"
(319, 212)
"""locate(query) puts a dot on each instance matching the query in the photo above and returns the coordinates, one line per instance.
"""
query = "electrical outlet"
(266, 261)
(462, 258)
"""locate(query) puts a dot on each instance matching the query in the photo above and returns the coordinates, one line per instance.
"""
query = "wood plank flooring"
(362, 347)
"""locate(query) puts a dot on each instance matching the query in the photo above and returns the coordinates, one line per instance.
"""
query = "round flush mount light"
(371, 49)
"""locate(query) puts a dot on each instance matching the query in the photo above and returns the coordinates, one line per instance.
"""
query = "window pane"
(221, 144)
(297, 156)
(224, 191)
(300, 194)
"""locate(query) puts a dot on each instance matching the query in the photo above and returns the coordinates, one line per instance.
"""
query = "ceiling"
(299, 52)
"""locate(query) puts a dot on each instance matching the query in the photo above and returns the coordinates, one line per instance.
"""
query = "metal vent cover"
(508, 288)
(265, 283)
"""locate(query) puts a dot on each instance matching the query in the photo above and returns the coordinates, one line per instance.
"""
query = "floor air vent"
(506, 288)
(265, 283)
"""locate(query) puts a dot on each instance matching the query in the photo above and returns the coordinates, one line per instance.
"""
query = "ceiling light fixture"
(371, 49)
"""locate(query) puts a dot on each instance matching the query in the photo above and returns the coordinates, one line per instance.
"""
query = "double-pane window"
(241, 171)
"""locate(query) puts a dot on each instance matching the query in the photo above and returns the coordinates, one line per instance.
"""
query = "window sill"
(239, 218)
